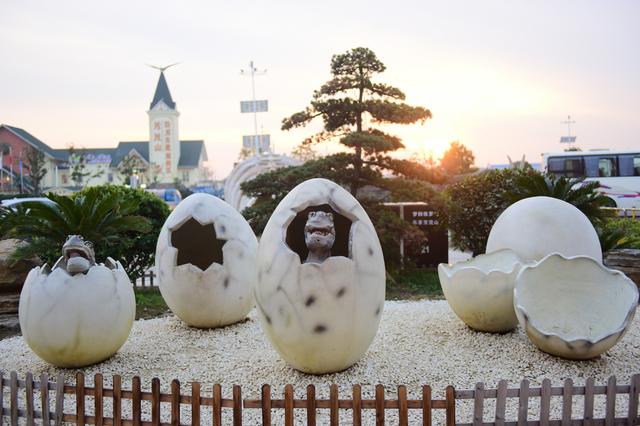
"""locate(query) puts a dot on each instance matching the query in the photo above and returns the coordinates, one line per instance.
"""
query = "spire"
(162, 93)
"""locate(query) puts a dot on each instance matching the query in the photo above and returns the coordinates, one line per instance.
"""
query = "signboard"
(254, 106)
(260, 142)
(567, 139)
(435, 248)
(97, 158)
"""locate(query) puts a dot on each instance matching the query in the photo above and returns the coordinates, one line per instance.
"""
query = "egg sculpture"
(321, 274)
(538, 226)
(78, 313)
(206, 262)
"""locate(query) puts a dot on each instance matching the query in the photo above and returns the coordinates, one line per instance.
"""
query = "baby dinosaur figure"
(319, 235)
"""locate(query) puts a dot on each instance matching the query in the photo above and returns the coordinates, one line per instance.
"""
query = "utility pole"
(253, 72)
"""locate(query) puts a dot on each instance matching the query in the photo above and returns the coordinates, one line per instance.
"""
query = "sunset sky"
(499, 76)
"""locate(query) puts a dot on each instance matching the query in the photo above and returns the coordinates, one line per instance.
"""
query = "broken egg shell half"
(320, 317)
(480, 290)
(76, 320)
(222, 293)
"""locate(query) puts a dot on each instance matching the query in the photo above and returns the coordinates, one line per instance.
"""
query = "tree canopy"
(350, 100)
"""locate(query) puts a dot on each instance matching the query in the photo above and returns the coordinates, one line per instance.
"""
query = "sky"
(499, 76)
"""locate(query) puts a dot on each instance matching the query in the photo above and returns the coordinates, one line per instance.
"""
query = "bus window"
(607, 167)
(570, 167)
(636, 165)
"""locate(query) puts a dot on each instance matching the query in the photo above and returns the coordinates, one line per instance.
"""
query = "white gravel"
(419, 342)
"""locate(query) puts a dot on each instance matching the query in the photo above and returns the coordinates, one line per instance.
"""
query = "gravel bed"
(419, 342)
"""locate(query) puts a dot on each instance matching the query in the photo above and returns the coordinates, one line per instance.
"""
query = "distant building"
(162, 159)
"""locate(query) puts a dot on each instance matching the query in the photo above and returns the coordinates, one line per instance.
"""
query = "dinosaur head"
(319, 231)
(78, 254)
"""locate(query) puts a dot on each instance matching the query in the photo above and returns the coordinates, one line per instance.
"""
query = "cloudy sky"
(500, 76)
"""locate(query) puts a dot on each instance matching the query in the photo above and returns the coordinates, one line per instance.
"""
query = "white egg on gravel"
(538, 226)
(77, 320)
(206, 262)
(320, 316)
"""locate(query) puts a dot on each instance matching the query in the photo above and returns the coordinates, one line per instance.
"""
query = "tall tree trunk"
(357, 163)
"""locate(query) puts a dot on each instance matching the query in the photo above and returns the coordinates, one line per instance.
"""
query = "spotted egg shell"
(320, 317)
(206, 262)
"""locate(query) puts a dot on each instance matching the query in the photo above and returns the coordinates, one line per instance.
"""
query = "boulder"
(625, 260)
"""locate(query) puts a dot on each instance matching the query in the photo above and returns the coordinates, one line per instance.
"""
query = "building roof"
(190, 152)
(32, 140)
(125, 148)
(162, 94)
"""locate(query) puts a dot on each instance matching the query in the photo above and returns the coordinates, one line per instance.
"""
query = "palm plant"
(101, 219)
(574, 191)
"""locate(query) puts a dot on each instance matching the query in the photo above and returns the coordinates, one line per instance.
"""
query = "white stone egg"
(320, 317)
(537, 226)
(79, 320)
(206, 262)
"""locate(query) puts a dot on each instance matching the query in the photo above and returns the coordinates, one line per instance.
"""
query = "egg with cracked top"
(206, 262)
(321, 278)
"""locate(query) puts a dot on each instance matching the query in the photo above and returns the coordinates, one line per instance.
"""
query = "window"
(185, 176)
(568, 166)
(607, 167)
(636, 165)
(110, 177)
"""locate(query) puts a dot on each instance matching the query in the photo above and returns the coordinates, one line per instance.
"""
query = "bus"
(171, 196)
(618, 172)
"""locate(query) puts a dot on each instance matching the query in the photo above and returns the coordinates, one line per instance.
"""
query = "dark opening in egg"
(295, 232)
(197, 244)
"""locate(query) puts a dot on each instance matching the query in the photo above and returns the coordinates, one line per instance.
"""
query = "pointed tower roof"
(162, 93)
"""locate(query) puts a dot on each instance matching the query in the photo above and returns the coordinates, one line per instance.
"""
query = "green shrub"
(135, 250)
(620, 233)
(475, 203)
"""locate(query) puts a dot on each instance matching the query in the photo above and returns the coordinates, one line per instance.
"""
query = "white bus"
(618, 172)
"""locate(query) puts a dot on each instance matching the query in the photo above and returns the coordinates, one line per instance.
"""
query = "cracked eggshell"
(538, 226)
(574, 307)
(480, 290)
(75, 321)
(222, 294)
(320, 318)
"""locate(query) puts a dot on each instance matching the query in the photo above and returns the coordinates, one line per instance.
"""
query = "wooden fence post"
(80, 398)
(155, 401)
(450, 394)
(403, 408)
(44, 398)
(478, 404)
(117, 400)
(97, 398)
(357, 405)
(136, 402)
(28, 389)
(288, 405)
(13, 384)
(501, 402)
(1, 393)
(59, 399)
(217, 405)
(634, 393)
(195, 403)
(237, 405)
(523, 403)
(379, 405)
(334, 405)
(175, 402)
(311, 405)
(545, 402)
(611, 401)
(588, 401)
(426, 405)
(266, 405)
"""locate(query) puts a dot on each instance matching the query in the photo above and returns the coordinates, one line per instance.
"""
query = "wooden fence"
(146, 280)
(31, 400)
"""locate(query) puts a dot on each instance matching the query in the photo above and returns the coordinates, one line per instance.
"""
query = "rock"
(625, 260)
(12, 275)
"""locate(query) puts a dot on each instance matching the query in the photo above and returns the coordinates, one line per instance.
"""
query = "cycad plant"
(102, 219)
(583, 195)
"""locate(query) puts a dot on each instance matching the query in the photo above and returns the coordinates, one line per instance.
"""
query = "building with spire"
(162, 159)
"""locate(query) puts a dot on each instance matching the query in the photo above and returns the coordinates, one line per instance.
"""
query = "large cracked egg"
(77, 320)
(206, 262)
(321, 278)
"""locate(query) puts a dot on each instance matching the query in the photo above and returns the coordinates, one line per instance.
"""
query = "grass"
(149, 303)
(411, 284)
